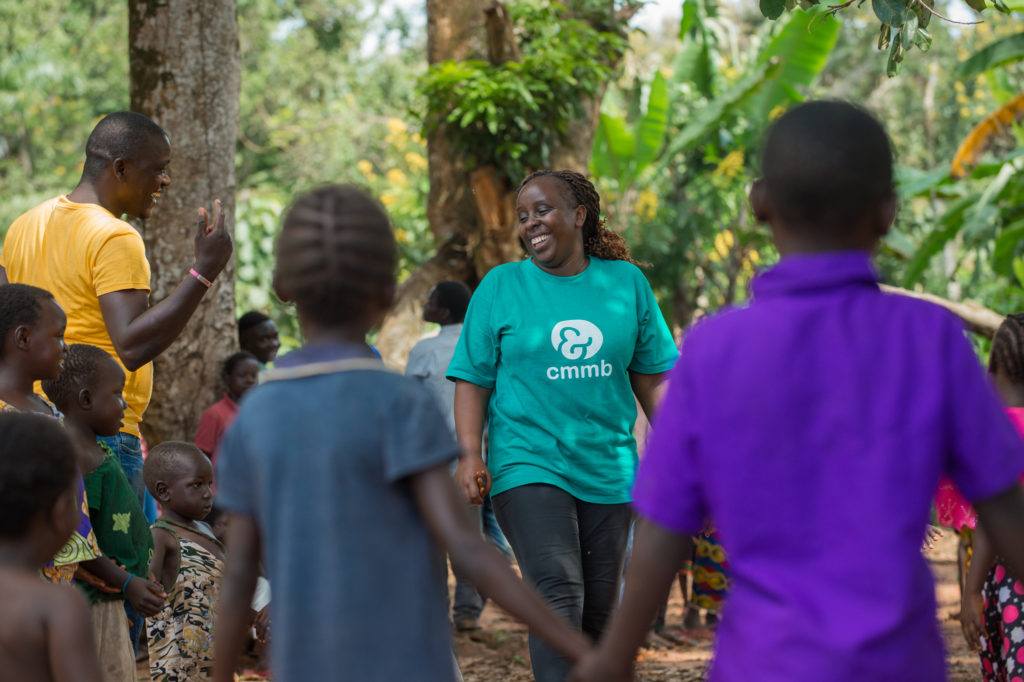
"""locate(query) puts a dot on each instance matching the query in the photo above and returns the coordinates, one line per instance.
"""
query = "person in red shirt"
(240, 373)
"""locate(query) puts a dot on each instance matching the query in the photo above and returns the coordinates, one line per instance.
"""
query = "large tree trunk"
(470, 208)
(185, 74)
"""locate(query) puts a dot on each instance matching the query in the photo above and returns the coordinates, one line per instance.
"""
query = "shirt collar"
(450, 330)
(324, 352)
(816, 272)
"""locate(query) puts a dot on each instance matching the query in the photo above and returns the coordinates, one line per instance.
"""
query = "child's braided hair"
(598, 241)
(1007, 356)
(336, 253)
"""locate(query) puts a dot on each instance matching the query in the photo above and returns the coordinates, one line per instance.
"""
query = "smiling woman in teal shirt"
(555, 353)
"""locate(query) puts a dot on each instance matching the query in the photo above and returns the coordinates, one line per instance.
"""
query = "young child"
(32, 348)
(188, 562)
(337, 472)
(812, 426)
(45, 634)
(241, 372)
(993, 597)
(88, 392)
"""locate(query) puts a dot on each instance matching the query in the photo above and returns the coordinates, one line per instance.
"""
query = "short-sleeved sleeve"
(418, 365)
(235, 487)
(120, 264)
(420, 440)
(476, 353)
(668, 490)
(94, 486)
(656, 350)
(986, 456)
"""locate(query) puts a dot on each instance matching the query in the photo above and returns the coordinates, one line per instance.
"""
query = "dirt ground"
(498, 651)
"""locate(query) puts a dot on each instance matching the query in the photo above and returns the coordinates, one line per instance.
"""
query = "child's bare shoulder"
(35, 611)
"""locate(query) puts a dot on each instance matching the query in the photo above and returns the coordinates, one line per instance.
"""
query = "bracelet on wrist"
(202, 280)
(126, 582)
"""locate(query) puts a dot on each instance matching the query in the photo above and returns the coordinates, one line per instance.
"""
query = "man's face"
(145, 177)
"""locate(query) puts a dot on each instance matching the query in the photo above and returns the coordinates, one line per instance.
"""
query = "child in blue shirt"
(336, 471)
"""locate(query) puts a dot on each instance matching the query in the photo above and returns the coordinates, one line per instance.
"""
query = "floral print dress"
(181, 635)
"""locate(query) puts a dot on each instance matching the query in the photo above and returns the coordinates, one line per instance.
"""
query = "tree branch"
(501, 39)
(978, 318)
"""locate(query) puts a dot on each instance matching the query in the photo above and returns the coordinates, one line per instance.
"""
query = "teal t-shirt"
(557, 352)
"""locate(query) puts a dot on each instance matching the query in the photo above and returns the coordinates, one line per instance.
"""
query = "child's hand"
(972, 612)
(146, 596)
(262, 625)
(595, 668)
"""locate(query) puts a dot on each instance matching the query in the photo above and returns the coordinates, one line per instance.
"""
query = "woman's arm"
(472, 477)
(234, 610)
(648, 389)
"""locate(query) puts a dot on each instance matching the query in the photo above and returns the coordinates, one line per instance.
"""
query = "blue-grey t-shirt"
(321, 463)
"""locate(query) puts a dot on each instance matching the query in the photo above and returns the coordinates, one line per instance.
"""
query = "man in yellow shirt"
(78, 248)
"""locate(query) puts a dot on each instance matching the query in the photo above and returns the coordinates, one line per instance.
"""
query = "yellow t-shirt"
(79, 252)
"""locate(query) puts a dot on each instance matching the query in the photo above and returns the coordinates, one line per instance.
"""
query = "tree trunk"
(185, 74)
(469, 208)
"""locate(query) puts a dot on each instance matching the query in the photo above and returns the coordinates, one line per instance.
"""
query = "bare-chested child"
(45, 631)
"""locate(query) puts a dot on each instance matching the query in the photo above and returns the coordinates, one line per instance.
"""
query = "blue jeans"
(128, 449)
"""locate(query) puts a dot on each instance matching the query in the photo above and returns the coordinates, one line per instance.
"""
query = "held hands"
(594, 667)
(473, 478)
(147, 596)
(971, 615)
(213, 244)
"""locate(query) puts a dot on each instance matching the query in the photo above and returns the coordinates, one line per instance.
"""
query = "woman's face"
(550, 225)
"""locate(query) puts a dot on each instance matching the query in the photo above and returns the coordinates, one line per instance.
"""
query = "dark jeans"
(469, 603)
(128, 449)
(572, 552)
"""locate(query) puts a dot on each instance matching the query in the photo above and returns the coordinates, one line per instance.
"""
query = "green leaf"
(1007, 247)
(1018, 269)
(911, 182)
(614, 149)
(802, 47)
(710, 117)
(892, 12)
(650, 133)
(1005, 51)
(949, 227)
(691, 15)
(773, 9)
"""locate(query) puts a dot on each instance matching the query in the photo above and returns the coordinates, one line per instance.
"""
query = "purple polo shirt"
(812, 426)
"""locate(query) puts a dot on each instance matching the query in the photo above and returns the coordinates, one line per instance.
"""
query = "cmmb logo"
(578, 340)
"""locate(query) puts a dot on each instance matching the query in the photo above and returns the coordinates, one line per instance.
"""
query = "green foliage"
(903, 23)
(687, 213)
(1003, 51)
(624, 153)
(511, 115)
(62, 66)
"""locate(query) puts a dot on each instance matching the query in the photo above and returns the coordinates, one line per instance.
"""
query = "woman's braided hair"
(598, 241)
(1007, 356)
(336, 254)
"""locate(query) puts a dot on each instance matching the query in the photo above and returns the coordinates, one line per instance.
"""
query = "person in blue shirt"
(555, 353)
(337, 473)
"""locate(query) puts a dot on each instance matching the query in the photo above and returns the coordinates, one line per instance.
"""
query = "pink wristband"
(202, 280)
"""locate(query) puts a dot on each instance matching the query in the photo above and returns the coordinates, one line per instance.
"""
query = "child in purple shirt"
(812, 426)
